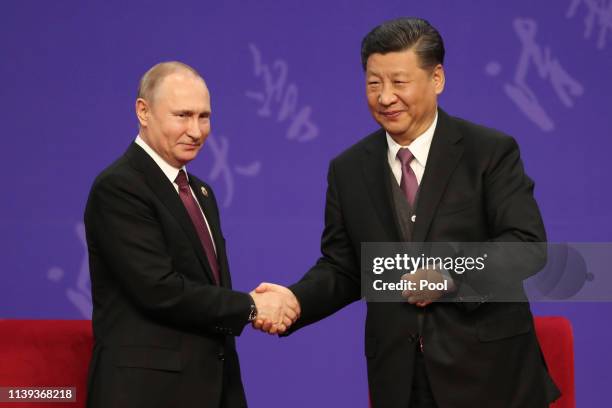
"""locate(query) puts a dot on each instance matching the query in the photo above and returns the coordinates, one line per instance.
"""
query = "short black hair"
(403, 34)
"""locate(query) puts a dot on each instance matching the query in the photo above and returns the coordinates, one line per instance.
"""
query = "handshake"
(277, 308)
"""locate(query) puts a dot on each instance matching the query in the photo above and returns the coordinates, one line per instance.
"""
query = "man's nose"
(386, 96)
(194, 130)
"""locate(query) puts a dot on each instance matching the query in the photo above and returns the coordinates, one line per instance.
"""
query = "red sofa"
(55, 353)
(45, 353)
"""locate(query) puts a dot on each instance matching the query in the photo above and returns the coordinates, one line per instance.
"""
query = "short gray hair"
(153, 77)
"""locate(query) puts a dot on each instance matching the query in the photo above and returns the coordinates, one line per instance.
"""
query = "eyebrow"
(392, 74)
(191, 112)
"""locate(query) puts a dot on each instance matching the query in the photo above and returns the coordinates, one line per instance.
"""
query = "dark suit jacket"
(474, 189)
(163, 331)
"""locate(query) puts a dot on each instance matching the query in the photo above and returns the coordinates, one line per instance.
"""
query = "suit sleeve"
(334, 281)
(517, 248)
(124, 231)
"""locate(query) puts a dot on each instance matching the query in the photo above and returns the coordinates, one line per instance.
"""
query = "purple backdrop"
(288, 95)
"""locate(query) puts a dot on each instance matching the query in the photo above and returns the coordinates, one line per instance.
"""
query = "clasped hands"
(277, 308)
(422, 297)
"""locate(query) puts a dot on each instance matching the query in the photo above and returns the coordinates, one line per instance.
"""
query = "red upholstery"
(57, 352)
(557, 343)
(36, 353)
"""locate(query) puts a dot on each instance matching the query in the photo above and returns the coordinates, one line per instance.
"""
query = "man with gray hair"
(164, 312)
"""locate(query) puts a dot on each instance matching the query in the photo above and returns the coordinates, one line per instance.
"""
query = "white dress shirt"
(419, 149)
(171, 172)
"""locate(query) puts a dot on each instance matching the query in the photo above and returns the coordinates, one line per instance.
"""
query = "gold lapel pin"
(204, 191)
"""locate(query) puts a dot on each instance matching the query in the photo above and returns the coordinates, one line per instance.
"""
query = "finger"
(287, 322)
(263, 287)
(420, 294)
(414, 298)
(258, 323)
(419, 299)
(267, 325)
(291, 314)
(295, 307)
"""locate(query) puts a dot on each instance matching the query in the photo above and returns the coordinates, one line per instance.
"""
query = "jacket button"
(221, 356)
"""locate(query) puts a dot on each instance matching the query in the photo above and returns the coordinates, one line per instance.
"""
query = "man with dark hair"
(403, 34)
(164, 312)
(428, 177)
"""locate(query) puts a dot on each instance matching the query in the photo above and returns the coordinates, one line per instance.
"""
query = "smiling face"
(402, 96)
(175, 120)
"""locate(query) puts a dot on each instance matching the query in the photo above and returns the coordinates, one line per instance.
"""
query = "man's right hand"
(277, 308)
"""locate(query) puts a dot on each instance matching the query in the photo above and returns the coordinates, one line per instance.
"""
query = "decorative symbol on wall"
(222, 168)
(547, 67)
(599, 12)
(79, 294)
(279, 98)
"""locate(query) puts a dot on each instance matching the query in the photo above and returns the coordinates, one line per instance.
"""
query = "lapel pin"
(204, 191)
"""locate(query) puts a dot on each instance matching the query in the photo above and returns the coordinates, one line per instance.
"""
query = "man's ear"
(438, 78)
(142, 111)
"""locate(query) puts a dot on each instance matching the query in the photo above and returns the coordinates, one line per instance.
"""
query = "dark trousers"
(421, 395)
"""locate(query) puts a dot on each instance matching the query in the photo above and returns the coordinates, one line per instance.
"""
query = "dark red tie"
(198, 222)
(408, 183)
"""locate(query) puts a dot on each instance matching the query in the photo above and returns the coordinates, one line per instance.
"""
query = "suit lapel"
(164, 190)
(444, 155)
(376, 170)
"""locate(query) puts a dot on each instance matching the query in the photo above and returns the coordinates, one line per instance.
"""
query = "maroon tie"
(408, 184)
(198, 222)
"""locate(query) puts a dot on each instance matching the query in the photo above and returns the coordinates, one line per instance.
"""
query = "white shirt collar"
(170, 171)
(419, 146)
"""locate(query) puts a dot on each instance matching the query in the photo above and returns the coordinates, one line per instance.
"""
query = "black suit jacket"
(163, 331)
(474, 189)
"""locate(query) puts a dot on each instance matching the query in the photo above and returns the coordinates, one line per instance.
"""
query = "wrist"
(252, 311)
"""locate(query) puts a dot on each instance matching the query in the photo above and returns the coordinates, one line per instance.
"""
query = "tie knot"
(181, 180)
(405, 156)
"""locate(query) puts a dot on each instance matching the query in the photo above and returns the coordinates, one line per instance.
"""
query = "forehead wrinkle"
(389, 72)
(181, 75)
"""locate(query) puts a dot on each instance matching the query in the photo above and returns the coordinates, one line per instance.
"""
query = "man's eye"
(373, 83)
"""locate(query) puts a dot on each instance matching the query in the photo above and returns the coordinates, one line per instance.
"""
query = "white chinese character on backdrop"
(546, 66)
(79, 293)
(278, 97)
(599, 12)
(222, 168)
